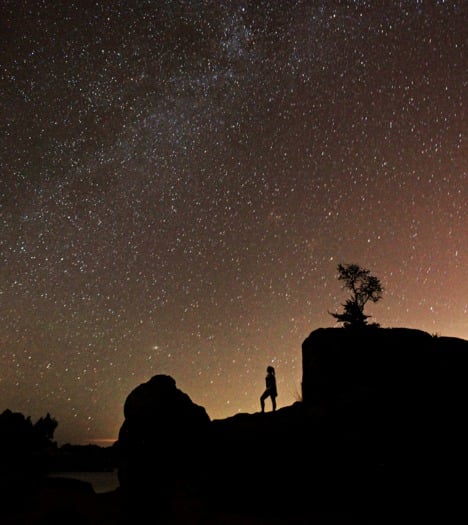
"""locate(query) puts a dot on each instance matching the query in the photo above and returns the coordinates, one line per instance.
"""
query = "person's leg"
(273, 402)
(262, 400)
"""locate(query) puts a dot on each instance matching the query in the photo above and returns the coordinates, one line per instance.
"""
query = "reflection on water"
(101, 481)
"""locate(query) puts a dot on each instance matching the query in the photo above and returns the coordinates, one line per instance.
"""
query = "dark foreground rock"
(401, 394)
(378, 438)
(162, 444)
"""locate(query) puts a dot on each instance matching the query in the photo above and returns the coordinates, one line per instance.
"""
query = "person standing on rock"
(270, 391)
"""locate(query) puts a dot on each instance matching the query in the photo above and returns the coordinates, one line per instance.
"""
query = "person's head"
(270, 370)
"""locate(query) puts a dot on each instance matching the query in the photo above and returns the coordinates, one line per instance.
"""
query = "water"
(101, 481)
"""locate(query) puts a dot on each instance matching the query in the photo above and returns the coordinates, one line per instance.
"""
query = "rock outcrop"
(161, 444)
(379, 437)
(399, 395)
(379, 432)
(396, 376)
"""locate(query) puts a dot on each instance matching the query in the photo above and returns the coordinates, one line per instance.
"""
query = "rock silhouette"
(161, 444)
(379, 430)
(379, 437)
(398, 396)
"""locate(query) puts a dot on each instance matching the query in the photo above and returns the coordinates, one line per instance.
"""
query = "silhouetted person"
(270, 391)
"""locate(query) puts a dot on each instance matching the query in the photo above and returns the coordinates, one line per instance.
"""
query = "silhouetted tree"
(18, 433)
(45, 427)
(364, 287)
(24, 450)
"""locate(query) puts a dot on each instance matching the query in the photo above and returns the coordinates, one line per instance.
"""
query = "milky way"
(180, 180)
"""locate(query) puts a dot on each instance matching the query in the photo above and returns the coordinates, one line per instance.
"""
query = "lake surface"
(101, 481)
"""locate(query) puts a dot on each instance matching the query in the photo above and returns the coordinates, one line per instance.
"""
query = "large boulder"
(403, 370)
(161, 443)
(398, 395)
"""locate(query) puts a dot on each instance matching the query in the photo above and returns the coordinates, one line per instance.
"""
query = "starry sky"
(181, 178)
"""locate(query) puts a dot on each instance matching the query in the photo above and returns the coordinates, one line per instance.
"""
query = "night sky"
(180, 180)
